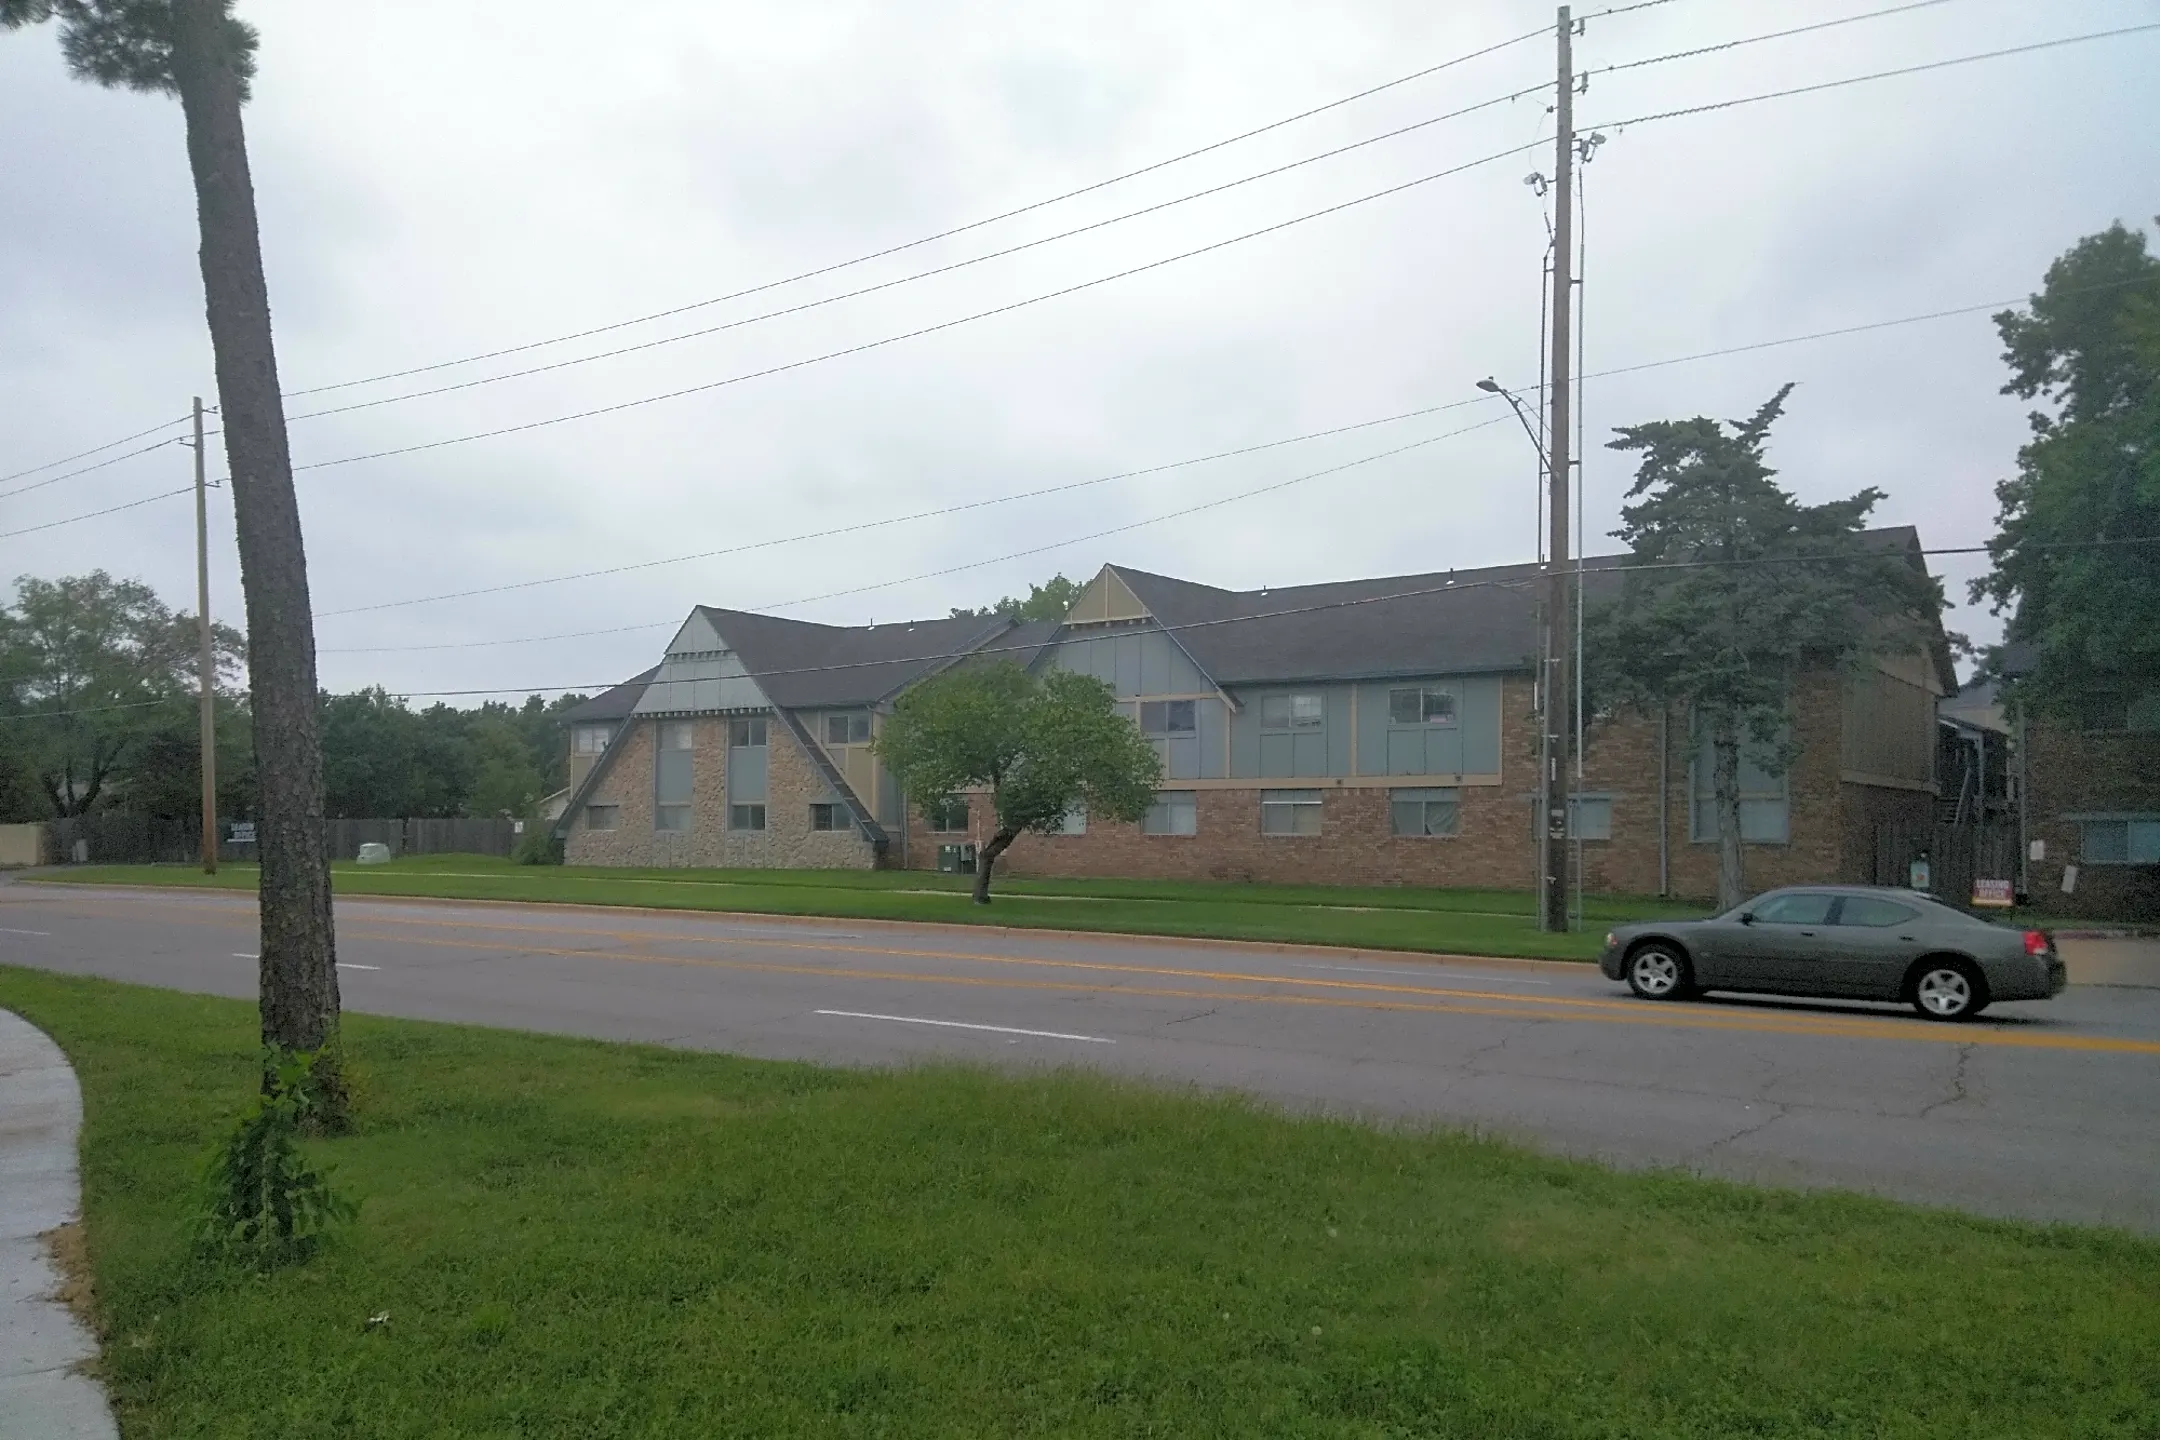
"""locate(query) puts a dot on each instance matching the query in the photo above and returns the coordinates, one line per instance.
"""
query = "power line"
(975, 564)
(94, 514)
(97, 449)
(1746, 40)
(940, 235)
(85, 470)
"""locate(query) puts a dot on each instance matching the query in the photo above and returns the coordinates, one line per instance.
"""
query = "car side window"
(1795, 910)
(1867, 910)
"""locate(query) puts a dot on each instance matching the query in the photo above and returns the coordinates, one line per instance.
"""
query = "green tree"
(505, 779)
(2089, 343)
(1047, 601)
(199, 51)
(1771, 587)
(1041, 746)
(93, 671)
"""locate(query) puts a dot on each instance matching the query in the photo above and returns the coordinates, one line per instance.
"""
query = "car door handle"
(1809, 933)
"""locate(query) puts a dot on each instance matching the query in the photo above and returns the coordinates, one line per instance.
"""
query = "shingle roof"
(612, 704)
(805, 666)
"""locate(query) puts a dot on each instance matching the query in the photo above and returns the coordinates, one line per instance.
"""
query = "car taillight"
(2036, 942)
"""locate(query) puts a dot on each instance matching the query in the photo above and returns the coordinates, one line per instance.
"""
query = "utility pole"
(1559, 680)
(206, 660)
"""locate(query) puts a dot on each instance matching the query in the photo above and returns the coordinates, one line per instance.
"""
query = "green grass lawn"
(587, 1240)
(1463, 922)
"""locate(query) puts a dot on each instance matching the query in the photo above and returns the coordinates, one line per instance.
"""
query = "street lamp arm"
(1493, 387)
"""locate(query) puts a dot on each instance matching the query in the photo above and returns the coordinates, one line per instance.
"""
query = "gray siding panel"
(1338, 729)
(1471, 746)
(1481, 725)
(1278, 756)
(1211, 718)
(1125, 666)
(1181, 760)
(1135, 662)
(1245, 734)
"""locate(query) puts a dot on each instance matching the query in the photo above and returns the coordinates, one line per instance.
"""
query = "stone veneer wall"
(792, 785)
(2073, 772)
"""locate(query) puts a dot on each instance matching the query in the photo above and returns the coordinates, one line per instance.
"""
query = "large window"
(2130, 840)
(601, 817)
(746, 817)
(947, 817)
(1420, 705)
(1765, 814)
(852, 728)
(590, 739)
(1074, 821)
(1875, 914)
(747, 734)
(831, 816)
(1424, 812)
(1160, 719)
(1306, 711)
(671, 775)
(1800, 909)
(1175, 812)
(1290, 812)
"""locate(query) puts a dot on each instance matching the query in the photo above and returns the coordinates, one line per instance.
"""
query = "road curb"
(43, 1346)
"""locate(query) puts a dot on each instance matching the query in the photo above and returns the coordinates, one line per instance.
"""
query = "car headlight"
(1610, 940)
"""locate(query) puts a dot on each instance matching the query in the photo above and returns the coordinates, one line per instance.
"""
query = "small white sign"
(1919, 874)
(2069, 879)
(243, 832)
(2037, 850)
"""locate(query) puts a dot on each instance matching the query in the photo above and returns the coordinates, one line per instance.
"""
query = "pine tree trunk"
(299, 991)
(1725, 781)
(986, 860)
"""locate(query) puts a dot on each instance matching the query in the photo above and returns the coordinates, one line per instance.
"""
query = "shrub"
(262, 1204)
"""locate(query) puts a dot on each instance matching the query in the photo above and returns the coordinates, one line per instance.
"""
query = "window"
(1290, 812)
(590, 739)
(849, 729)
(947, 817)
(747, 734)
(1292, 712)
(1589, 817)
(1420, 705)
(1074, 821)
(1168, 717)
(672, 776)
(1795, 909)
(2122, 842)
(746, 817)
(1175, 812)
(831, 817)
(1424, 812)
(1765, 814)
(602, 817)
(1877, 914)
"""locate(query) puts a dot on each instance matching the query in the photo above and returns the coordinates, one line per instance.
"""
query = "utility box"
(956, 859)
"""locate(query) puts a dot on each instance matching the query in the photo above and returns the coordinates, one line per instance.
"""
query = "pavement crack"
(1196, 1015)
(1778, 1111)
(1958, 1092)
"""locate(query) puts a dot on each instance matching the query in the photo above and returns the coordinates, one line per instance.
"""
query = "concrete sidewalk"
(2113, 960)
(43, 1395)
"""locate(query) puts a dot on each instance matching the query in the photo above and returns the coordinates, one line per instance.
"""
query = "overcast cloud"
(438, 180)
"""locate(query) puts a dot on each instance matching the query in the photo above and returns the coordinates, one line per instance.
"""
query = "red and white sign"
(1992, 892)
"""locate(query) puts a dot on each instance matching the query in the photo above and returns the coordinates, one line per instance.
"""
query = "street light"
(1493, 387)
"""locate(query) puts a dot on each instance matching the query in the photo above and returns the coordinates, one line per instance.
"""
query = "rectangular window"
(1765, 814)
(1290, 812)
(831, 817)
(1424, 812)
(602, 817)
(1292, 712)
(746, 817)
(1168, 717)
(747, 734)
(849, 729)
(947, 817)
(1421, 705)
(1590, 817)
(1175, 812)
(2121, 842)
(672, 776)
(590, 739)
(1075, 821)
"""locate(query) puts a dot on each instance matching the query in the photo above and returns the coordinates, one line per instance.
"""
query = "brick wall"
(2073, 772)
(787, 842)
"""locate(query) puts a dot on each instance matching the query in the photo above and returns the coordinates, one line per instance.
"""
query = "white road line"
(348, 965)
(4, 930)
(1405, 972)
(962, 1025)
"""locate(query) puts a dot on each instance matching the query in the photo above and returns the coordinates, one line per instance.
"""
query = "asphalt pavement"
(2041, 1110)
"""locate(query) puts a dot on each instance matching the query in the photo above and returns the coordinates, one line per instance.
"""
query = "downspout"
(2024, 805)
(1664, 799)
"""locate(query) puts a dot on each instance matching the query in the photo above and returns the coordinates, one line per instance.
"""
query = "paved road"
(2043, 1110)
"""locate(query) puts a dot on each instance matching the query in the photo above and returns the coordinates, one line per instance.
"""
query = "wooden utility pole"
(207, 660)
(1559, 680)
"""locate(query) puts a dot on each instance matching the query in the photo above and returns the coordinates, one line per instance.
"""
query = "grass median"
(578, 1239)
(1458, 922)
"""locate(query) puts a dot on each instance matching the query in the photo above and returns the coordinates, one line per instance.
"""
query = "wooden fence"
(1956, 856)
(143, 839)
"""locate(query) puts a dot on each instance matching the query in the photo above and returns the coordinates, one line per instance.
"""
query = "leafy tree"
(1047, 601)
(1040, 746)
(199, 51)
(92, 671)
(1786, 587)
(505, 779)
(2090, 344)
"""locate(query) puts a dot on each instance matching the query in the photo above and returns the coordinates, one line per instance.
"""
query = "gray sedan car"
(1853, 942)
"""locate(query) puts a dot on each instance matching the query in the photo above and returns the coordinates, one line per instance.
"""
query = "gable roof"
(806, 666)
(610, 704)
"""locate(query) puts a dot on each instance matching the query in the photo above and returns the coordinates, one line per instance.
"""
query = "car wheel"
(1659, 972)
(1948, 990)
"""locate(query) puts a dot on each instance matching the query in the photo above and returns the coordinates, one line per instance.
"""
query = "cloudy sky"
(438, 181)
